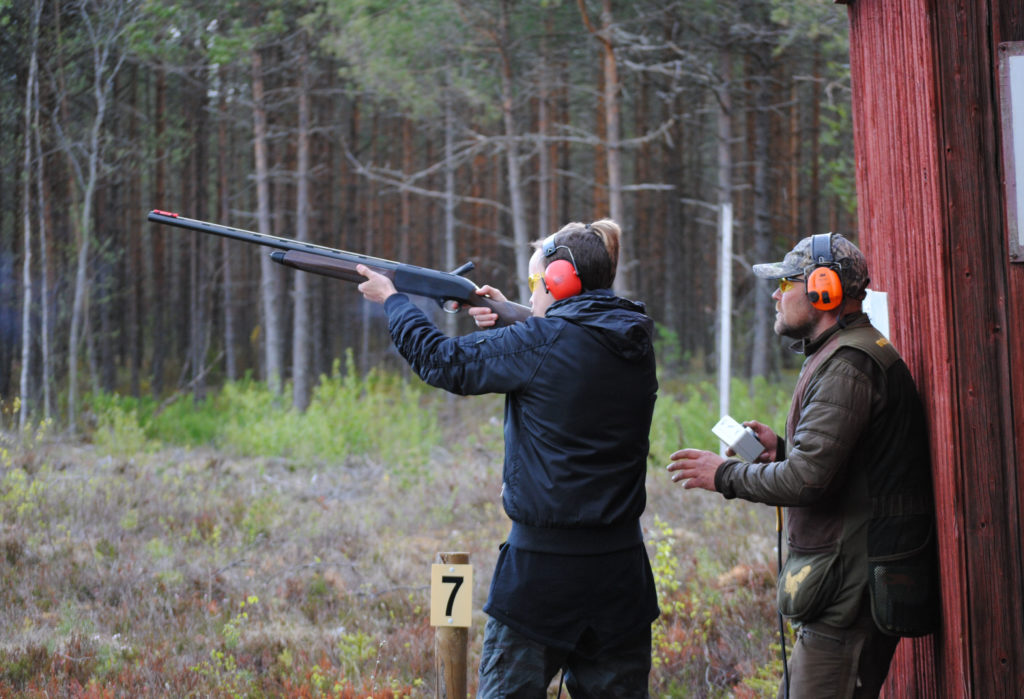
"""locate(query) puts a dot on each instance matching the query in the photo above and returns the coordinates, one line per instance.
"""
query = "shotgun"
(451, 290)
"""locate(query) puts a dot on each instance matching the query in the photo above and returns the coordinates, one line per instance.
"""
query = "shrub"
(380, 416)
(145, 563)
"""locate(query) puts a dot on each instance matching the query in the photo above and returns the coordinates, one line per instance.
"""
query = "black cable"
(782, 622)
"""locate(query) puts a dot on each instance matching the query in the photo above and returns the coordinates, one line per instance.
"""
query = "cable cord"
(782, 621)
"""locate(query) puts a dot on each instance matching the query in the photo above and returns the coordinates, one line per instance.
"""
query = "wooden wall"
(932, 224)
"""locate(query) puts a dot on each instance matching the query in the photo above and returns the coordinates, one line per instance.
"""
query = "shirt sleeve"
(837, 409)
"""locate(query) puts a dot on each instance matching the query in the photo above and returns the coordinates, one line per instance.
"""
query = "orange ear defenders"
(561, 278)
(824, 287)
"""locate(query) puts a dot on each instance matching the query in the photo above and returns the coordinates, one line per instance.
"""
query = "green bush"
(380, 416)
(118, 432)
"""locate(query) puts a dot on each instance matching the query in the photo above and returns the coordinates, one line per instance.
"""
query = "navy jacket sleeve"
(502, 360)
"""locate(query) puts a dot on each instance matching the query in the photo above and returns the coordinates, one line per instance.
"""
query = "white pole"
(724, 309)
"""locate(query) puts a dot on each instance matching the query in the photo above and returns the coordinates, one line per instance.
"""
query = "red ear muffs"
(824, 289)
(561, 280)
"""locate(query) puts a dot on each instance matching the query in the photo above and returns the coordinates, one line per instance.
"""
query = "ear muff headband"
(824, 287)
(561, 278)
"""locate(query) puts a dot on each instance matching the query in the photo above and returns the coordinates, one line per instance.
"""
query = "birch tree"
(104, 25)
(31, 124)
(45, 333)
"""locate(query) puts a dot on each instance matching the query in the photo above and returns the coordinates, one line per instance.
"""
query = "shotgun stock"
(451, 290)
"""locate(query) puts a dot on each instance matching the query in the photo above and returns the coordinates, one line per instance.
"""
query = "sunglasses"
(787, 283)
(533, 280)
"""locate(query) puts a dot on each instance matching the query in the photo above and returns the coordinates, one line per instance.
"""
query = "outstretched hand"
(377, 287)
(695, 467)
(485, 317)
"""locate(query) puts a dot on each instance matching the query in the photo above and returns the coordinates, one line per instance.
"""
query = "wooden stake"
(451, 649)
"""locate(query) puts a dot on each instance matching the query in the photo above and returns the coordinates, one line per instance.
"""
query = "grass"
(173, 556)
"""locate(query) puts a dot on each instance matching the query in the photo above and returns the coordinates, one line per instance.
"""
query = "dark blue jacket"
(580, 386)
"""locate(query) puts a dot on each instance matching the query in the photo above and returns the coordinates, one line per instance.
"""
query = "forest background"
(429, 132)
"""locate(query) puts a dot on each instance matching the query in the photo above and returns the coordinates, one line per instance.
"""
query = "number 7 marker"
(451, 594)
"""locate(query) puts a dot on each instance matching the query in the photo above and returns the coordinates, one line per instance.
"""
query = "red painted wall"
(932, 223)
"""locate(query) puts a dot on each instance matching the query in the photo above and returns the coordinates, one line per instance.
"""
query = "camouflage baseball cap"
(853, 266)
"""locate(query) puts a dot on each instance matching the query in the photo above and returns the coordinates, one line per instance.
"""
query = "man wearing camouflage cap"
(853, 474)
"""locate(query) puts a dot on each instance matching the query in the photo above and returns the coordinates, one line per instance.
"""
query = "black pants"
(515, 667)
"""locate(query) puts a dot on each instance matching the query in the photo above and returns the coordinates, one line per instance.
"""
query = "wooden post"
(451, 649)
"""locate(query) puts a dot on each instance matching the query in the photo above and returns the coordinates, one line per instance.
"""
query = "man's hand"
(377, 287)
(767, 437)
(485, 317)
(695, 467)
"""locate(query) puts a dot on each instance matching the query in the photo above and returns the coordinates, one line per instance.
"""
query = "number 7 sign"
(451, 594)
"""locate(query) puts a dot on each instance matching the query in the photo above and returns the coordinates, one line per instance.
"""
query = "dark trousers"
(515, 667)
(830, 662)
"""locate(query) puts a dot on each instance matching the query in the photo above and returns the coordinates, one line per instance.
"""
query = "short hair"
(592, 247)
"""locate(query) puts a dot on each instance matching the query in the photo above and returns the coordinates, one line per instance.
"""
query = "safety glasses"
(533, 280)
(787, 283)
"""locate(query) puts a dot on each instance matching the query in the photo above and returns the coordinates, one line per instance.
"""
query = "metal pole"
(724, 309)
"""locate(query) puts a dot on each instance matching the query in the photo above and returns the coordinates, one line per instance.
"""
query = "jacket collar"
(848, 321)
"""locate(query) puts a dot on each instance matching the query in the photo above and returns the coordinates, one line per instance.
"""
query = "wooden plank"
(975, 228)
(1007, 24)
(931, 224)
(898, 213)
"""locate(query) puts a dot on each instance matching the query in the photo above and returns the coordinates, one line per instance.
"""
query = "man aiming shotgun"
(572, 588)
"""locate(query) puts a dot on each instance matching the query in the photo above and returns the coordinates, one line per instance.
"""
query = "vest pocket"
(904, 591)
(808, 583)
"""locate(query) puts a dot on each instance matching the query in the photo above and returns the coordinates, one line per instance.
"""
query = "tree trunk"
(794, 158)
(519, 231)
(108, 198)
(450, 243)
(612, 129)
(404, 199)
(762, 219)
(814, 195)
(545, 176)
(613, 150)
(199, 331)
(648, 247)
(224, 214)
(368, 240)
(270, 285)
(44, 266)
(136, 274)
(80, 305)
(300, 330)
(26, 276)
(159, 288)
